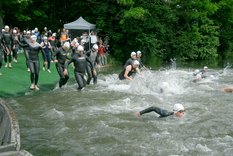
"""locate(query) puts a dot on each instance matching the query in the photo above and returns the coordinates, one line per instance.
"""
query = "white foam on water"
(53, 114)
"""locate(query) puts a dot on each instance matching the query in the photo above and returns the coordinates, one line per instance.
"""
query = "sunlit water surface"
(100, 120)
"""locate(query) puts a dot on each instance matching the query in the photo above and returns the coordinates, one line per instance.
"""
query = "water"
(100, 119)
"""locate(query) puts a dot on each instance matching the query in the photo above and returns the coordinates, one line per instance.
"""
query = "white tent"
(80, 24)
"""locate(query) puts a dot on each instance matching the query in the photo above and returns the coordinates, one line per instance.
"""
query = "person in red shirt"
(102, 56)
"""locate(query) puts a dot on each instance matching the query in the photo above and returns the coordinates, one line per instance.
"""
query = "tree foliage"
(189, 30)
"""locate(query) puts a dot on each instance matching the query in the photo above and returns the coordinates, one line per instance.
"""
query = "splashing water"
(99, 120)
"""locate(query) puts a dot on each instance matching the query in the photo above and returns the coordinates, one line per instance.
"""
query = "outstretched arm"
(161, 112)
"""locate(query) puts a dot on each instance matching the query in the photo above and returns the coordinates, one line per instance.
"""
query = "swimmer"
(178, 111)
(129, 71)
(197, 75)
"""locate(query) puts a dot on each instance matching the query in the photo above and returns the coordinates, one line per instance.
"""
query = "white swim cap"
(33, 32)
(6, 27)
(14, 31)
(28, 32)
(54, 34)
(205, 67)
(80, 48)
(83, 41)
(33, 37)
(95, 46)
(139, 52)
(36, 29)
(45, 28)
(178, 107)
(67, 45)
(3, 30)
(136, 62)
(45, 38)
(196, 71)
(133, 53)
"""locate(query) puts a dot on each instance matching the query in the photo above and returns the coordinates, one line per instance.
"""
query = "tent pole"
(89, 39)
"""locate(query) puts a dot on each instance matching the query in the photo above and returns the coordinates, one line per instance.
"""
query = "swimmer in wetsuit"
(129, 71)
(7, 42)
(60, 59)
(80, 65)
(34, 63)
(93, 56)
(178, 111)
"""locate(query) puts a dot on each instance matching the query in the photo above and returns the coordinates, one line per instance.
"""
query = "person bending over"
(129, 71)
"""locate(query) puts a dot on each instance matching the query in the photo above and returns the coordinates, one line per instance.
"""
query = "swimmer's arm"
(161, 112)
(66, 66)
(137, 70)
(127, 70)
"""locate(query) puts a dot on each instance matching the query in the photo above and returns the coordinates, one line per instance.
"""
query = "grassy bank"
(15, 81)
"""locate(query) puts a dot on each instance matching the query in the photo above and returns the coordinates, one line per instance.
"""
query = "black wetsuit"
(24, 40)
(129, 62)
(131, 73)
(47, 54)
(160, 111)
(141, 65)
(7, 41)
(61, 56)
(15, 46)
(93, 56)
(33, 57)
(80, 66)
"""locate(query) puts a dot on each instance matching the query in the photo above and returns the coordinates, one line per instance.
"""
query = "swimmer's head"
(205, 68)
(136, 62)
(133, 54)
(95, 46)
(178, 110)
(33, 38)
(66, 46)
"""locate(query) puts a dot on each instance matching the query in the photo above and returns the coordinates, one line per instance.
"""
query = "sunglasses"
(181, 111)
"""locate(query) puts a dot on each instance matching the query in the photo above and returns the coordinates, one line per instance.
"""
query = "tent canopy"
(79, 24)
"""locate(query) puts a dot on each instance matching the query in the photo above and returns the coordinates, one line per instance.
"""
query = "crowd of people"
(85, 52)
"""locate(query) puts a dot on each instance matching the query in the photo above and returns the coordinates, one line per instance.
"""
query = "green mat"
(15, 81)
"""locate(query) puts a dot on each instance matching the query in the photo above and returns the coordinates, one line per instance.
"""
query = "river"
(100, 120)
